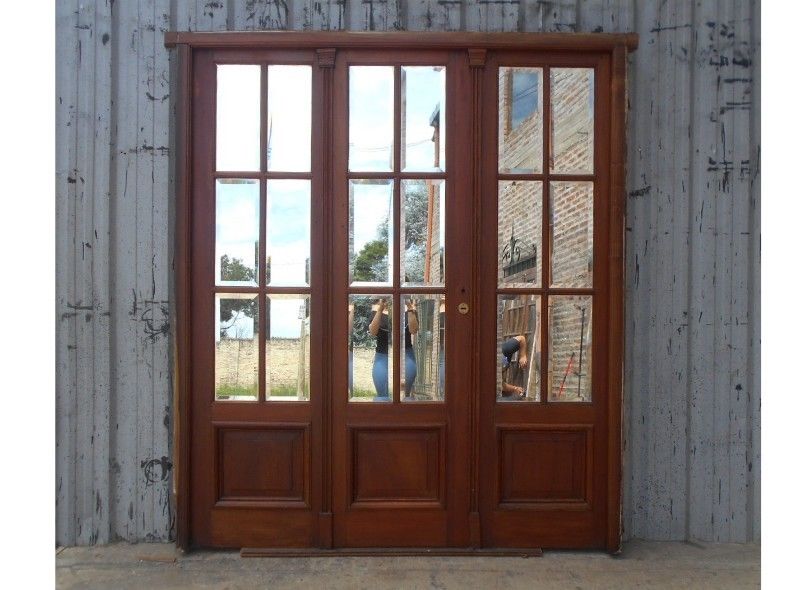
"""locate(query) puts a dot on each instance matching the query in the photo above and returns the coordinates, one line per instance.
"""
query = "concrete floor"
(641, 565)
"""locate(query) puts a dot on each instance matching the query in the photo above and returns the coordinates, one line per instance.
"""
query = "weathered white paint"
(692, 395)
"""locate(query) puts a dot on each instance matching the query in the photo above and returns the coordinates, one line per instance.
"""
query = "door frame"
(617, 46)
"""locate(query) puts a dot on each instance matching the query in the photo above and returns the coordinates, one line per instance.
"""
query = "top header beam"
(399, 40)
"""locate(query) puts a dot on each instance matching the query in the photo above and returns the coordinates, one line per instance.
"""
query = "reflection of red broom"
(564, 380)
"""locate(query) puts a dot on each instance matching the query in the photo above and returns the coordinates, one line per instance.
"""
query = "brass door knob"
(463, 308)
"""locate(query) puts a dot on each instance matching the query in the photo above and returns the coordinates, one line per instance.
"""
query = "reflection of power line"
(388, 147)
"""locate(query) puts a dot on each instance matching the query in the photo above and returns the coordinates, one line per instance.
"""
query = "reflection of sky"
(289, 104)
(238, 106)
(237, 222)
(372, 117)
(372, 98)
(424, 90)
(371, 206)
(284, 317)
(288, 231)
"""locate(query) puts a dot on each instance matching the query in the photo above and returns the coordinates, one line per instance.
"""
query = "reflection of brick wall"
(237, 363)
(571, 211)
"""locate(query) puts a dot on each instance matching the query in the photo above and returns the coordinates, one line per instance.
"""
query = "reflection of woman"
(441, 348)
(509, 347)
(350, 315)
(379, 327)
(412, 327)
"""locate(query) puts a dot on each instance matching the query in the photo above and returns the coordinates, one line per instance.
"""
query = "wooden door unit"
(488, 448)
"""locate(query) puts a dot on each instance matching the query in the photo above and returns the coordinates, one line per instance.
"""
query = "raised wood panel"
(544, 465)
(262, 463)
(397, 464)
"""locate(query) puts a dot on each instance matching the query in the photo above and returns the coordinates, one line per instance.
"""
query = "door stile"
(477, 63)
(322, 152)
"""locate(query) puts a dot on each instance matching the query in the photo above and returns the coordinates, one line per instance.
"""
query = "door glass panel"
(422, 365)
(518, 348)
(519, 233)
(236, 347)
(289, 118)
(371, 231)
(422, 225)
(371, 118)
(288, 232)
(570, 361)
(369, 349)
(572, 209)
(236, 233)
(422, 130)
(520, 137)
(238, 117)
(288, 348)
(572, 140)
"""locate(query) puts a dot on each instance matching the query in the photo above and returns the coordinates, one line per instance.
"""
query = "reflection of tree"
(232, 310)
(372, 262)
(416, 230)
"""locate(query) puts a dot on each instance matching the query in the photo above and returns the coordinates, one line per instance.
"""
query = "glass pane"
(238, 119)
(289, 118)
(370, 348)
(422, 367)
(371, 118)
(518, 348)
(288, 232)
(288, 347)
(371, 231)
(422, 225)
(422, 132)
(572, 140)
(519, 233)
(236, 258)
(520, 137)
(571, 209)
(570, 363)
(236, 350)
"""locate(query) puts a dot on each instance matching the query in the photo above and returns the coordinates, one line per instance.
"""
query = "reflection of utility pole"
(580, 351)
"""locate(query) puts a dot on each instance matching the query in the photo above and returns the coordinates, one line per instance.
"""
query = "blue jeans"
(380, 376)
(411, 370)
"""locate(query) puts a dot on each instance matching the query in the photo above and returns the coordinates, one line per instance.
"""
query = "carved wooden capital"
(326, 57)
(477, 58)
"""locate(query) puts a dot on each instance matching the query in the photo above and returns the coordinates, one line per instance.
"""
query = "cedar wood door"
(466, 466)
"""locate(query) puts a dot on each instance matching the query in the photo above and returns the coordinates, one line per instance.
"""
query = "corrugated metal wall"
(692, 393)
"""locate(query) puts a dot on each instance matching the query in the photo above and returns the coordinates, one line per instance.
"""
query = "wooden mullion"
(396, 245)
(544, 364)
(262, 242)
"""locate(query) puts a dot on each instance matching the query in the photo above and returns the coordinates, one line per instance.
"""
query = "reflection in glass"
(236, 347)
(422, 260)
(289, 118)
(571, 210)
(519, 233)
(371, 118)
(369, 321)
(238, 117)
(572, 138)
(288, 232)
(422, 131)
(520, 137)
(371, 231)
(422, 366)
(570, 362)
(518, 348)
(288, 347)
(237, 219)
